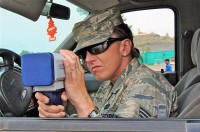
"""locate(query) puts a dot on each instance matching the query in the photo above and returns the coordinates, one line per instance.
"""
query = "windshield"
(22, 35)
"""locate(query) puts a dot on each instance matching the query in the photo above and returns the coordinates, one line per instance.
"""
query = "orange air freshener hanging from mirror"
(51, 30)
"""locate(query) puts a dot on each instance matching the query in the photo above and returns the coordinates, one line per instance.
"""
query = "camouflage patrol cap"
(97, 28)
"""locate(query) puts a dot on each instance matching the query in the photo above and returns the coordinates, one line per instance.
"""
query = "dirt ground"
(159, 67)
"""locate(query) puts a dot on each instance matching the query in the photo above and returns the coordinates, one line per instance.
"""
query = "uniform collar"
(131, 68)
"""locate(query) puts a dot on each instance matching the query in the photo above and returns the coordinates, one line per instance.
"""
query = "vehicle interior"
(24, 29)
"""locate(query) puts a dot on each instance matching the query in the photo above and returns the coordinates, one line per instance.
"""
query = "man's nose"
(89, 57)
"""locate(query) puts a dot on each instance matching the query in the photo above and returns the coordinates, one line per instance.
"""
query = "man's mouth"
(94, 68)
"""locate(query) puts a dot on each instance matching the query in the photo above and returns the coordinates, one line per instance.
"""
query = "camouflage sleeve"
(141, 99)
(132, 104)
(128, 109)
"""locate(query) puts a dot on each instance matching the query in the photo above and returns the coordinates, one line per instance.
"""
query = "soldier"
(130, 89)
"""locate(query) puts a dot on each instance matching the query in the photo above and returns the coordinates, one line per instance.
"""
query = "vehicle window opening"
(153, 32)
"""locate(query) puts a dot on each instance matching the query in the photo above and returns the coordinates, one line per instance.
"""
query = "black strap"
(187, 39)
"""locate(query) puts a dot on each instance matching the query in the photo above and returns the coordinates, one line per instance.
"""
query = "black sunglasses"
(99, 48)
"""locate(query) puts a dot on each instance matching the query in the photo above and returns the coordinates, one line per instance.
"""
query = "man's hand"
(75, 84)
(50, 110)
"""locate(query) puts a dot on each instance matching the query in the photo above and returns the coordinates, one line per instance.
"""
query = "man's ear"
(125, 47)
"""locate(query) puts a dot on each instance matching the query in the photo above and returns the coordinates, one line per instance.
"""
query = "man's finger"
(51, 108)
(43, 113)
(64, 96)
(42, 98)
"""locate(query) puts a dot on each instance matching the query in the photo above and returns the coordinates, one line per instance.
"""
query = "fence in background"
(152, 58)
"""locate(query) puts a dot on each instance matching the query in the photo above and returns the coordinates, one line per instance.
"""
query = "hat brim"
(91, 40)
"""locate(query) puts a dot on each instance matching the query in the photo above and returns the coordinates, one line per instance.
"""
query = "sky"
(160, 21)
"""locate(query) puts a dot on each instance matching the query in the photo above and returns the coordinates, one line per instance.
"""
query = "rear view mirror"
(56, 11)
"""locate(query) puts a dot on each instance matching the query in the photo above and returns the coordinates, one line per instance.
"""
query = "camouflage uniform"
(138, 90)
(136, 93)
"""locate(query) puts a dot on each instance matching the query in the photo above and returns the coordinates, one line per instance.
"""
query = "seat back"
(192, 76)
(189, 102)
(198, 57)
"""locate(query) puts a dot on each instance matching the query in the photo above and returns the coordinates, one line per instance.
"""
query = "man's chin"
(100, 78)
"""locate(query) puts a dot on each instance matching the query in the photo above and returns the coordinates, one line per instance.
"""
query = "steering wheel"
(14, 97)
